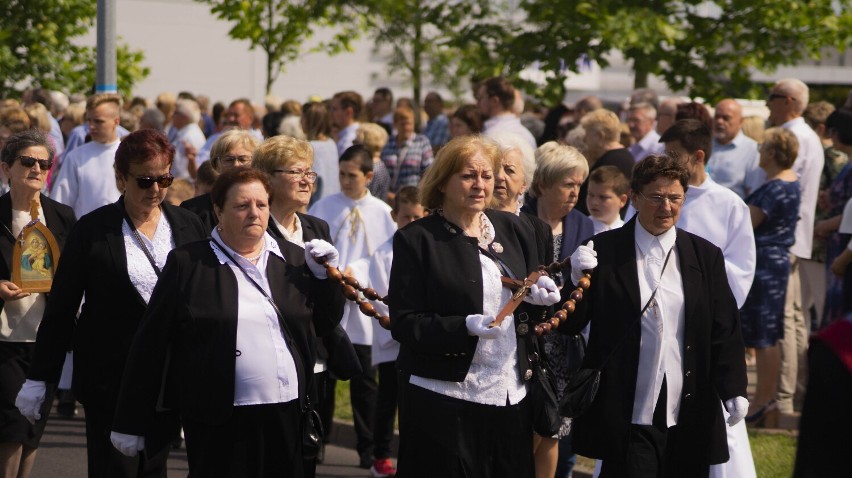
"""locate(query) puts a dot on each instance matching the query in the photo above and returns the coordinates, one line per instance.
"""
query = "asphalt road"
(63, 453)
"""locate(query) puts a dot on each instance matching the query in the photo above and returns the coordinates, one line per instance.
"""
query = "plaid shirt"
(438, 131)
(418, 157)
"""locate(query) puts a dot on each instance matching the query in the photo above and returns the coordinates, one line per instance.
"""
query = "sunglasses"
(29, 161)
(145, 182)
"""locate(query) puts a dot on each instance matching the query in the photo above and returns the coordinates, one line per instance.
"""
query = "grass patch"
(774, 454)
(342, 405)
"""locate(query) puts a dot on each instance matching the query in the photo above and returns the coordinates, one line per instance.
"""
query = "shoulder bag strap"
(138, 239)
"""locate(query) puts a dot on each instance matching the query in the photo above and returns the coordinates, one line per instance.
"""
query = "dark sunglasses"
(29, 161)
(145, 182)
(774, 96)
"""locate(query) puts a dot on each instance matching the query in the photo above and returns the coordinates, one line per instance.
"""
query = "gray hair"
(23, 140)
(797, 89)
(154, 118)
(292, 126)
(509, 142)
(554, 161)
(188, 108)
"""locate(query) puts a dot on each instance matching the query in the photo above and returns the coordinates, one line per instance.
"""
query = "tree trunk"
(270, 18)
(417, 68)
(640, 74)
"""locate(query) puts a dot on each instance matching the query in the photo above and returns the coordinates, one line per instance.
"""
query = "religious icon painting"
(34, 258)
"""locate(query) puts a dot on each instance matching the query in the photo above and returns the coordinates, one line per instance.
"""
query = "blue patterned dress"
(762, 314)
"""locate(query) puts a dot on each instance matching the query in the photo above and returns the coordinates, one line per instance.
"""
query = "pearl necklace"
(254, 259)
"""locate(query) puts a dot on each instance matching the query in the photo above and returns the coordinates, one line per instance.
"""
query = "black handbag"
(544, 406)
(312, 430)
(583, 384)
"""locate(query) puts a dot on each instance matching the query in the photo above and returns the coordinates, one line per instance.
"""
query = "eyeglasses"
(295, 175)
(659, 200)
(775, 96)
(145, 182)
(29, 161)
(233, 159)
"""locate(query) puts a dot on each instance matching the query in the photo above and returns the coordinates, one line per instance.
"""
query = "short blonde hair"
(784, 144)
(98, 99)
(372, 136)
(229, 140)
(554, 161)
(39, 116)
(450, 160)
(280, 152)
(603, 121)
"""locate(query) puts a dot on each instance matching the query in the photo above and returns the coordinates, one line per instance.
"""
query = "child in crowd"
(608, 188)
(180, 191)
(359, 223)
(205, 178)
(406, 209)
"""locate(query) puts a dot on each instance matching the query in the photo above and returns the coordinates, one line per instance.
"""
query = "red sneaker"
(382, 468)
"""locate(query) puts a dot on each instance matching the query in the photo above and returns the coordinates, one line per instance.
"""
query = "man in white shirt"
(496, 98)
(718, 215)
(735, 155)
(87, 178)
(187, 133)
(345, 110)
(787, 101)
(641, 118)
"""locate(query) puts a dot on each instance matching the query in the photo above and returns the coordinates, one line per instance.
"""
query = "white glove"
(30, 399)
(319, 248)
(543, 292)
(737, 407)
(477, 324)
(128, 445)
(584, 258)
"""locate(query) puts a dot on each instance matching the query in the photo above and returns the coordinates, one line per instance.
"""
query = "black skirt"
(257, 441)
(15, 358)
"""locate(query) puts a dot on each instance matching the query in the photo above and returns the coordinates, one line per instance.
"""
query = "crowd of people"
(207, 253)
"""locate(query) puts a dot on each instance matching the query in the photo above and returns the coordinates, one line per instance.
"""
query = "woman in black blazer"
(106, 258)
(26, 158)
(465, 411)
(213, 346)
(288, 162)
(234, 148)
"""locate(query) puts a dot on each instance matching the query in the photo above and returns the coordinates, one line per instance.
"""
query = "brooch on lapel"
(498, 248)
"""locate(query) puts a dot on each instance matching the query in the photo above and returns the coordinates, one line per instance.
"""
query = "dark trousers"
(324, 401)
(106, 462)
(257, 441)
(386, 402)
(362, 391)
(651, 453)
(446, 437)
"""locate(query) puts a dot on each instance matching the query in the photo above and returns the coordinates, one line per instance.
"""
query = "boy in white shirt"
(406, 209)
(608, 188)
(359, 223)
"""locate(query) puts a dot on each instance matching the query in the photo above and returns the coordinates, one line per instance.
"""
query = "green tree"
(281, 28)
(37, 47)
(430, 40)
(705, 47)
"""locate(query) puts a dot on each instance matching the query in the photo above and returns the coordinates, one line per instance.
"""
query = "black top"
(192, 320)
(94, 263)
(621, 159)
(712, 348)
(203, 207)
(436, 282)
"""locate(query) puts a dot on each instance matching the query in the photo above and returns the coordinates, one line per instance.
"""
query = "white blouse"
(142, 275)
(493, 378)
(265, 371)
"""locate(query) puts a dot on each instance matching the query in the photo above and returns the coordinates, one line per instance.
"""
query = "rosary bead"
(350, 293)
(569, 306)
(577, 295)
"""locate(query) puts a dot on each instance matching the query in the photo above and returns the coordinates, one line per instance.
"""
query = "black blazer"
(192, 317)
(59, 218)
(334, 347)
(436, 281)
(712, 348)
(202, 206)
(94, 263)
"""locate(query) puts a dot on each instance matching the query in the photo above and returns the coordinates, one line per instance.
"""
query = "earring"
(219, 228)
